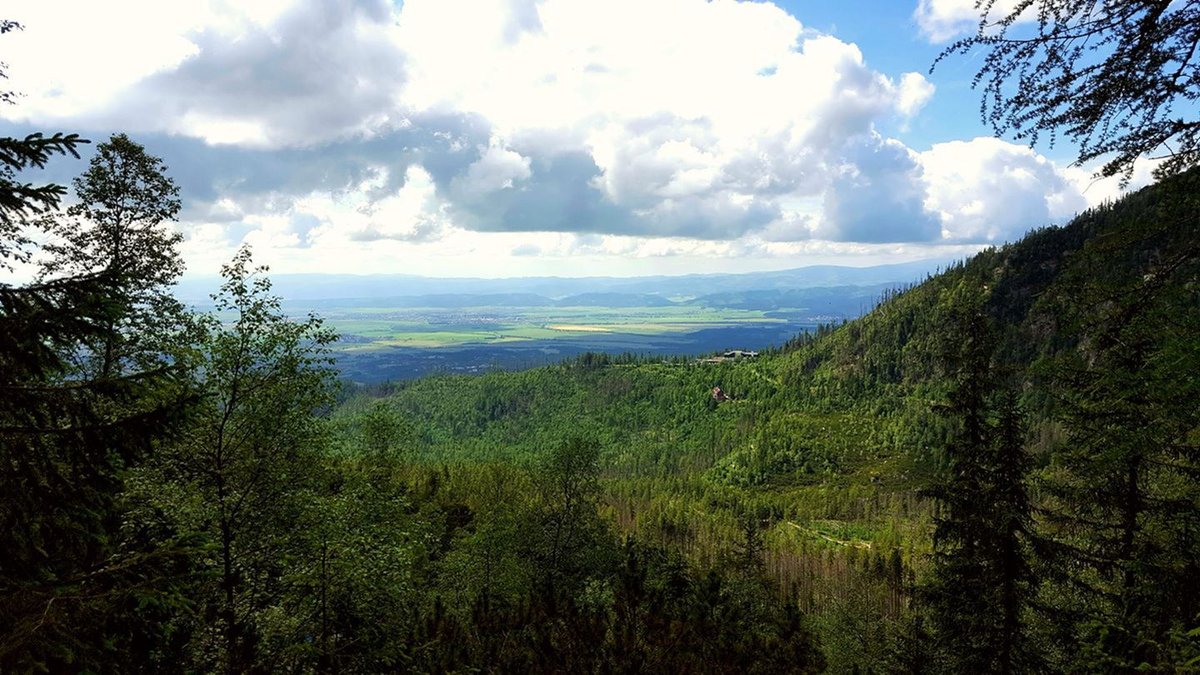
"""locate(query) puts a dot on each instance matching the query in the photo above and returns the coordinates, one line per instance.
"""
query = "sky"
(500, 138)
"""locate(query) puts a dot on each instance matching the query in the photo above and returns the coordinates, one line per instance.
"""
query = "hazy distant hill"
(845, 301)
(438, 300)
(614, 300)
(310, 287)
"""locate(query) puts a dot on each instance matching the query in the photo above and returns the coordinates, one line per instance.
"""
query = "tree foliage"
(79, 576)
(246, 458)
(1122, 504)
(981, 583)
(125, 198)
(1120, 78)
(70, 562)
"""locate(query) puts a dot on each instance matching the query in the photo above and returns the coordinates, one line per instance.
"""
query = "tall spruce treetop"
(1118, 77)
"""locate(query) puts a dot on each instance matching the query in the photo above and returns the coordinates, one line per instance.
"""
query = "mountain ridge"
(297, 287)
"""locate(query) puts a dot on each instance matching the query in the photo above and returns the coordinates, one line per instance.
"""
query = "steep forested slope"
(872, 379)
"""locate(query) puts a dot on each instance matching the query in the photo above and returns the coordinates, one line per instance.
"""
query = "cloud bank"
(557, 127)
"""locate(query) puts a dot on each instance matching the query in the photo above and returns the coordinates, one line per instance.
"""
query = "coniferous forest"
(996, 470)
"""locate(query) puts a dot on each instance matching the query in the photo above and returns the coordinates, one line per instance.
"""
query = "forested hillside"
(994, 470)
(833, 451)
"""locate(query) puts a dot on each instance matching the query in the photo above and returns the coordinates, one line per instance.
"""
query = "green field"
(371, 328)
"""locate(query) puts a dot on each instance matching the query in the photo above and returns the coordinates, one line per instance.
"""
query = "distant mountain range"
(414, 291)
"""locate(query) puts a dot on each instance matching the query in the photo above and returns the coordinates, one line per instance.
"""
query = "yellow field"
(579, 328)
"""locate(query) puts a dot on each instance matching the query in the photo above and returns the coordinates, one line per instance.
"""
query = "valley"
(476, 333)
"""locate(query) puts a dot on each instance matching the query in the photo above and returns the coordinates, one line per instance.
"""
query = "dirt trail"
(856, 543)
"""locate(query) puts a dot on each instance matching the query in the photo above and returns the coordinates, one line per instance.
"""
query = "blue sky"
(891, 41)
(546, 137)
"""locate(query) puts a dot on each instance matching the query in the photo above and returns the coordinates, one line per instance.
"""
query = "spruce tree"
(981, 582)
(21, 202)
(77, 574)
(1123, 503)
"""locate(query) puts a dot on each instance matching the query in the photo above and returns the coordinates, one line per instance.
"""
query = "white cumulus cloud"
(942, 20)
(989, 190)
(266, 74)
(914, 92)
(879, 196)
(496, 169)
